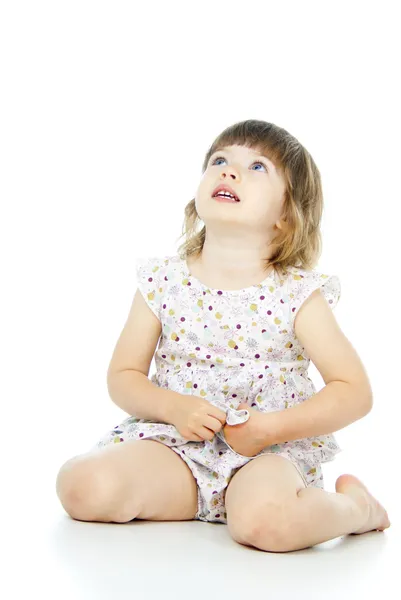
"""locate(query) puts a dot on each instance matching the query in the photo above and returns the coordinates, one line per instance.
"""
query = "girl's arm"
(127, 376)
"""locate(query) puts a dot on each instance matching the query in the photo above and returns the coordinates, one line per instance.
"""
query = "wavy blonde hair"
(299, 243)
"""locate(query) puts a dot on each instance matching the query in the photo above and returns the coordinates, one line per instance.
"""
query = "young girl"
(230, 428)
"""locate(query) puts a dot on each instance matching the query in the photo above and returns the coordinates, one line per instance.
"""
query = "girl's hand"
(251, 437)
(195, 418)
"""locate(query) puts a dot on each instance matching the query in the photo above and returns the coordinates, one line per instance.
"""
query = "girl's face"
(255, 181)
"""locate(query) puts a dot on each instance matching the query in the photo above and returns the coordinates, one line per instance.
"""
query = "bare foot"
(377, 515)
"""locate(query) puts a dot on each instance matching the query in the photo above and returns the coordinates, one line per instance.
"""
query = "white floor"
(48, 553)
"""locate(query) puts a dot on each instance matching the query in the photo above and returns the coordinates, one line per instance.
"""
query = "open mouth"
(225, 197)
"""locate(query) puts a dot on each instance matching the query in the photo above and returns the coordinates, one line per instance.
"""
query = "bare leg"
(142, 479)
(269, 507)
(323, 516)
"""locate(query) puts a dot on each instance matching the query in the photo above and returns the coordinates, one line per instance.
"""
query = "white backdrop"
(107, 111)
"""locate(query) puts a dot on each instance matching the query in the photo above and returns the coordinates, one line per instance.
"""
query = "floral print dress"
(228, 347)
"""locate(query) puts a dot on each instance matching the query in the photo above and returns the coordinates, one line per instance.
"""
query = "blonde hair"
(299, 243)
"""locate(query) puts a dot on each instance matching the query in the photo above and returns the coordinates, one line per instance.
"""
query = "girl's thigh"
(142, 479)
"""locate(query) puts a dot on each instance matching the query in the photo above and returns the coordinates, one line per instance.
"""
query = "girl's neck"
(215, 278)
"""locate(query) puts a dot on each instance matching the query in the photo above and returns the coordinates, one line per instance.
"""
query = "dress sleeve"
(306, 282)
(149, 277)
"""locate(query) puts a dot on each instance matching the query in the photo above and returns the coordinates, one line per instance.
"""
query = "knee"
(267, 527)
(79, 487)
(85, 491)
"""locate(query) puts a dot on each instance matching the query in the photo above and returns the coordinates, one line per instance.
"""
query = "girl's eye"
(257, 162)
